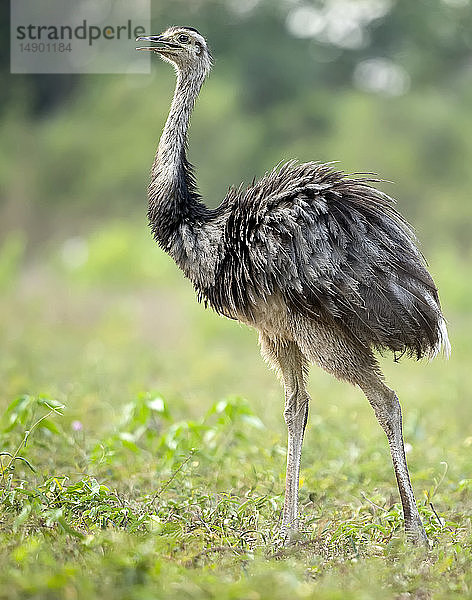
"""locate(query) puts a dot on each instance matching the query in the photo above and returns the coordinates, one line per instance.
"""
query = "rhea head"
(184, 47)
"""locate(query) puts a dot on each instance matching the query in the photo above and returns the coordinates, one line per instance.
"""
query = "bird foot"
(289, 536)
(416, 535)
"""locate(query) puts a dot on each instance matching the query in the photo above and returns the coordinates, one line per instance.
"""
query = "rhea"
(319, 263)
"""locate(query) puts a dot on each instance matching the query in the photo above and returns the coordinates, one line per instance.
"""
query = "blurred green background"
(94, 315)
(378, 85)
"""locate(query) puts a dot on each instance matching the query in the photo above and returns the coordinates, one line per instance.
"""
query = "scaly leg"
(387, 409)
(290, 363)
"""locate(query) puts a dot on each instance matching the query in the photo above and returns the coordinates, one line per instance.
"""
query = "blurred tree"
(38, 94)
(381, 85)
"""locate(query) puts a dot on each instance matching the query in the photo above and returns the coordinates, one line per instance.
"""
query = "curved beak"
(158, 39)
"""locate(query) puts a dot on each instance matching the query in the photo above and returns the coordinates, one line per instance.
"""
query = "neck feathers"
(173, 195)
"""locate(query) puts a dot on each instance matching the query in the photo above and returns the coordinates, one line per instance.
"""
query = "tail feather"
(443, 341)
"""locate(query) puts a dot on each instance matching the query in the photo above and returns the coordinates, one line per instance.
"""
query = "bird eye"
(183, 38)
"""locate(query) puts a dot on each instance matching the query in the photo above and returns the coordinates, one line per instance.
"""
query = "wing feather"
(336, 250)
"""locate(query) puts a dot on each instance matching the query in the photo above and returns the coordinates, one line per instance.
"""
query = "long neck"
(173, 196)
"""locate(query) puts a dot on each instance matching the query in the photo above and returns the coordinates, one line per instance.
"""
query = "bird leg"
(387, 409)
(290, 364)
(295, 415)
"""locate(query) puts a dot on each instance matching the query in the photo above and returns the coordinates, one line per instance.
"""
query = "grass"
(143, 445)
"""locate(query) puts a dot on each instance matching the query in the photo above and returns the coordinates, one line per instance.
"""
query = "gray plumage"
(321, 264)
